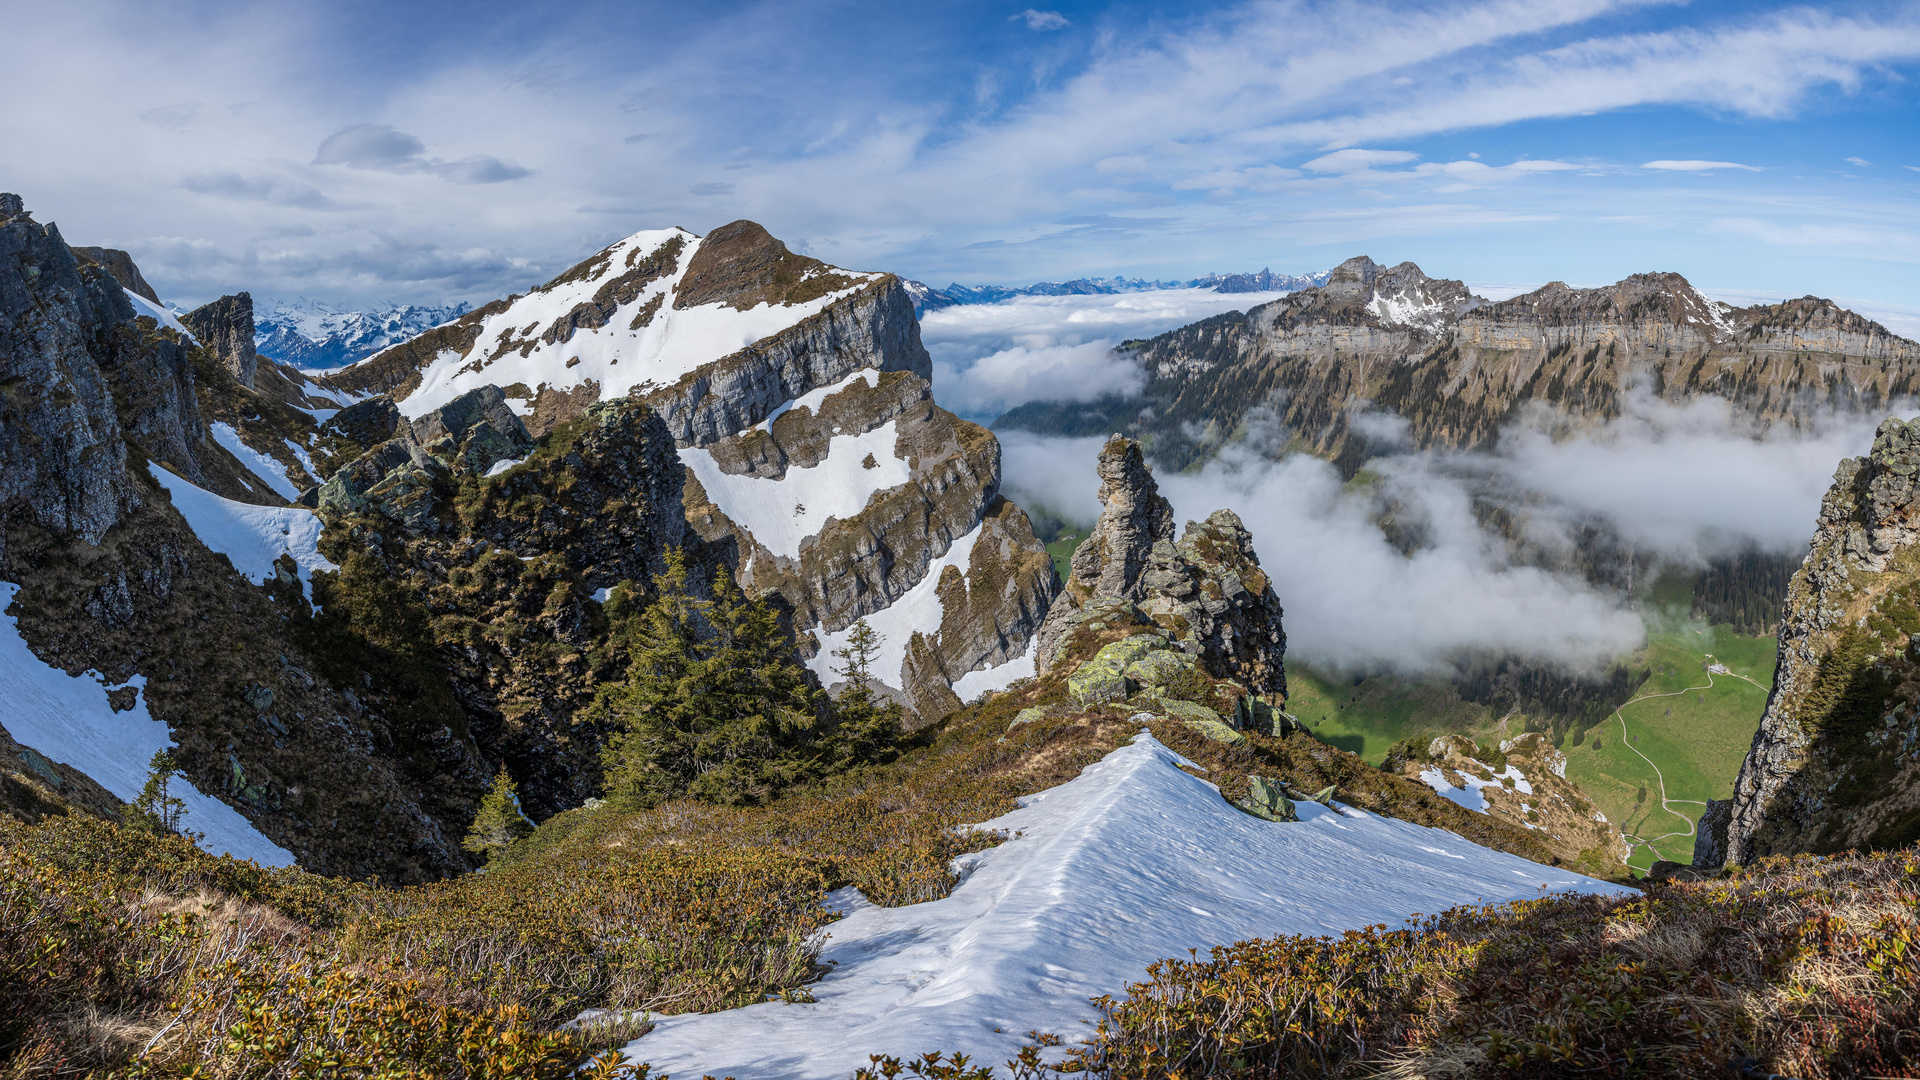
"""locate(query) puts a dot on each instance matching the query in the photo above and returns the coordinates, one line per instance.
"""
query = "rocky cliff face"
(1836, 762)
(121, 266)
(62, 462)
(226, 327)
(1457, 368)
(797, 393)
(1206, 592)
(109, 575)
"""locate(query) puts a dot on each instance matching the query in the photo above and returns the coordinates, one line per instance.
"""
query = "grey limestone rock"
(62, 461)
(1207, 590)
(121, 266)
(226, 328)
(1785, 796)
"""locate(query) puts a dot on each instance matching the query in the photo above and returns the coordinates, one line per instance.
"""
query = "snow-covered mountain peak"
(638, 315)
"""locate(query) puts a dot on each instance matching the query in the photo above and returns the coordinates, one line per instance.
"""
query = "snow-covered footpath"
(1133, 861)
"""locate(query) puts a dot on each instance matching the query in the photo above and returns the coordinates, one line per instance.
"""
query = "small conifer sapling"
(499, 821)
(157, 808)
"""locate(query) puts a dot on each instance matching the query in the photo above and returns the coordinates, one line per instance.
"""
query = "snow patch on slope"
(144, 306)
(251, 537)
(782, 513)
(1131, 862)
(264, 466)
(617, 356)
(974, 683)
(68, 719)
(1468, 793)
(918, 609)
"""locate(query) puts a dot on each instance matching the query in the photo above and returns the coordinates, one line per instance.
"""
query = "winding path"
(1665, 803)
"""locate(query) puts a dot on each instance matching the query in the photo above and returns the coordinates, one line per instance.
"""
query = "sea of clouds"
(1679, 483)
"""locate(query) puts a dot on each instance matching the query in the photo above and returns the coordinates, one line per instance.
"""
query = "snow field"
(974, 683)
(270, 471)
(617, 357)
(1133, 861)
(919, 608)
(251, 537)
(144, 306)
(781, 513)
(68, 719)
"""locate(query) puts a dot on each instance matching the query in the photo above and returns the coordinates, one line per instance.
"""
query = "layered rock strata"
(1836, 761)
(1457, 368)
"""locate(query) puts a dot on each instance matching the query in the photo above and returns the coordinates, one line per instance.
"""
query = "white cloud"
(1863, 163)
(990, 357)
(1042, 20)
(1346, 161)
(997, 382)
(1696, 166)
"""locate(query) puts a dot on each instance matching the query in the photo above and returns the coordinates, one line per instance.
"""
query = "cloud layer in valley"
(1681, 483)
(988, 358)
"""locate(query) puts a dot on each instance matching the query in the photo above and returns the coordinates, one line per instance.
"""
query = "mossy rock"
(1215, 730)
(1159, 667)
(1028, 716)
(1127, 650)
(1267, 801)
(1187, 710)
(1096, 682)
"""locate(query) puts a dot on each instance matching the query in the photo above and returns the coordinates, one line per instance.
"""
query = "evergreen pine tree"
(499, 821)
(865, 728)
(157, 808)
(715, 705)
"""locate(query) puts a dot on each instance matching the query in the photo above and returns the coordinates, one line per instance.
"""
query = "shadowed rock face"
(1836, 762)
(1208, 589)
(121, 266)
(226, 327)
(62, 462)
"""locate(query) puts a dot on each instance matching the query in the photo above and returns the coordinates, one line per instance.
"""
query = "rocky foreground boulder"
(1836, 761)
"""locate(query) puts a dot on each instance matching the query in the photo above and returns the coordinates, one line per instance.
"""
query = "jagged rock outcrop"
(1207, 591)
(113, 579)
(62, 461)
(1458, 368)
(410, 476)
(121, 266)
(1836, 761)
(226, 327)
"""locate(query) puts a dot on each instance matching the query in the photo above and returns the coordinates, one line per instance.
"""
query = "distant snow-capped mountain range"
(927, 298)
(315, 334)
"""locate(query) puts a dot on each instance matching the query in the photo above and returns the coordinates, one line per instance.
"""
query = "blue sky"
(436, 152)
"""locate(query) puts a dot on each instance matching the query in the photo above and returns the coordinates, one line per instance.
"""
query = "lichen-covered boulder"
(1215, 730)
(1028, 716)
(1097, 682)
(1159, 667)
(1267, 800)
